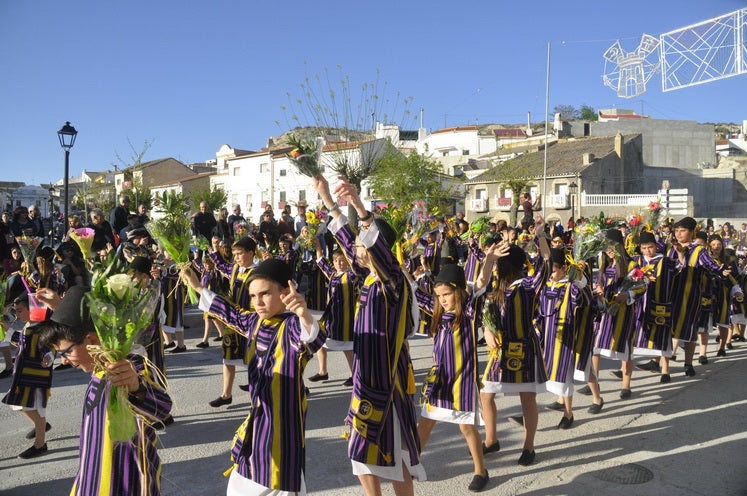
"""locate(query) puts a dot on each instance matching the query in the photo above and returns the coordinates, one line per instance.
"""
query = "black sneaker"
(32, 433)
(625, 394)
(218, 339)
(203, 344)
(493, 448)
(179, 349)
(244, 387)
(220, 401)
(617, 373)
(518, 420)
(665, 379)
(479, 482)
(565, 423)
(526, 458)
(721, 353)
(702, 359)
(318, 377)
(689, 370)
(556, 406)
(730, 346)
(170, 345)
(33, 452)
(650, 366)
(348, 382)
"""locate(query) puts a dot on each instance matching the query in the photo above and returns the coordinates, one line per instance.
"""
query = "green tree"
(215, 198)
(588, 113)
(402, 179)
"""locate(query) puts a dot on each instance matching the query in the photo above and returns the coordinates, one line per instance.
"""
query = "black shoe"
(218, 339)
(673, 358)
(32, 433)
(318, 377)
(625, 394)
(179, 349)
(63, 366)
(220, 401)
(5, 373)
(244, 387)
(518, 420)
(348, 382)
(479, 482)
(717, 338)
(170, 345)
(650, 366)
(481, 342)
(526, 458)
(702, 359)
(33, 452)
(730, 346)
(721, 353)
(617, 373)
(556, 406)
(738, 337)
(596, 407)
(586, 391)
(689, 371)
(665, 379)
(203, 344)
(493, 448)
(565, 423)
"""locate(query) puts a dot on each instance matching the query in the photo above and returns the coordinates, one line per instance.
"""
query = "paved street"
(684, 438)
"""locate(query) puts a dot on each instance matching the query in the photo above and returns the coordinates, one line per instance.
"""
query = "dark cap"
(452, 274)
(141, 264)
(386, 232)
(614, 235)
(557, 255)
(646, 237)
(71, 311)
(513, 261)
(246, 243)
(138, 232)
(273, 269)
(687, 222)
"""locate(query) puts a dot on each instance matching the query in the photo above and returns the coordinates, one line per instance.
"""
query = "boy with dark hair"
(108, 467)
(268, 450)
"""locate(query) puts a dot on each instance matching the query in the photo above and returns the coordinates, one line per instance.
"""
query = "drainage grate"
(629, 473)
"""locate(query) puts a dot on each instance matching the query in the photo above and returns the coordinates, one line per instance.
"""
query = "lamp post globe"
(67, 136)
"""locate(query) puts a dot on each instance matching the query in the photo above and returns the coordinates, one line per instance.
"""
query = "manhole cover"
(630, 473)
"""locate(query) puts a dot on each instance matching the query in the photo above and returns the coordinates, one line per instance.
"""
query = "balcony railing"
(617, 200)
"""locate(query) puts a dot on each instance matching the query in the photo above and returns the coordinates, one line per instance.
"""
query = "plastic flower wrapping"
(173, 231)
(28, 246)
(240, 229)
(305, 156)
(200, 242)
(120, 309)
(83, 237)
(653, 214)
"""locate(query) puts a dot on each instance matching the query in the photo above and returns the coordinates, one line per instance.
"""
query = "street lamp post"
(573, 189)
(67, 139)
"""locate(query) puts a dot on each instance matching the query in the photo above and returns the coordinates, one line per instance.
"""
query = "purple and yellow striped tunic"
(339, 314)
(383, 320)
(28, 374)
(269, 446)
(614, 332)
(109, 468)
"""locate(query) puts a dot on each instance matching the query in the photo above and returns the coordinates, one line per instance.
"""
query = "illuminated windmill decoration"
(631, 70)
(700, 53)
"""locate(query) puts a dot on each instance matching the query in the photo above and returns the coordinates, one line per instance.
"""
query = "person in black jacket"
(118, 215)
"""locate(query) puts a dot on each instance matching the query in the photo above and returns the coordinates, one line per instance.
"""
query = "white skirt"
(336, 345)
(38, 402)
(400, 456)
(238, 485)
(453, 416)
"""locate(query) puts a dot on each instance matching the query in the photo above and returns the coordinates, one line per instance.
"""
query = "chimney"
(588, 158)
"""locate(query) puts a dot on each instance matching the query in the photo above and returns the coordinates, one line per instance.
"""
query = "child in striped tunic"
(108, 467)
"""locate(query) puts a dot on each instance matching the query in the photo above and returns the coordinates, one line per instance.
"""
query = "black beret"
(557, 255)
(246, 243)
(72, 311)
(452, 274)
(514, 261)
(273, 269)
(141, 264)
(615, 235)
(386, 232)
(686, 222)
(646, 237)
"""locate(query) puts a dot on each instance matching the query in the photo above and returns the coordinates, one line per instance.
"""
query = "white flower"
(120, 285)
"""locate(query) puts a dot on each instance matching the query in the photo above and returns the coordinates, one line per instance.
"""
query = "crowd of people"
(545, 318)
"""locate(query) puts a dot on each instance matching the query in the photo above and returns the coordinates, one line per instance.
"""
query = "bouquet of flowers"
(653, 213)
(83, 237)
(200, 242)
(635, 280)
(120, 308)
(314, 219)
(173, 231)
(240, 229)
(589, 241)
(28, 246)
(305, 156)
